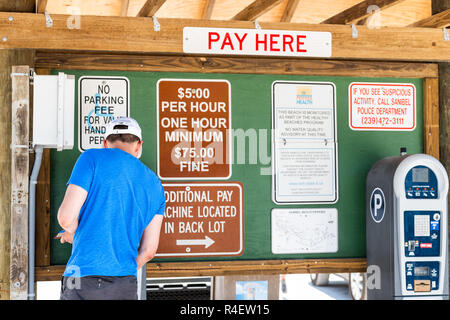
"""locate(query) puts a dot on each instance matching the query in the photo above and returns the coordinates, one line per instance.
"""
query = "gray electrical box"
(53, 111)
(407, 228)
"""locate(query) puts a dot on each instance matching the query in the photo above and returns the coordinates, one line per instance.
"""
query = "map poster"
(304, 153)
(304, 230)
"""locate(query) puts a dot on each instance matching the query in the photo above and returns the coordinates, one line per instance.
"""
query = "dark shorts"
(99, 288)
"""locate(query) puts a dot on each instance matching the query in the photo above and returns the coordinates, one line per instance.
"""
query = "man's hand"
(67, 237)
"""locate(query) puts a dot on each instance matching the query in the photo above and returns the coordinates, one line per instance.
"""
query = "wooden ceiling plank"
(150, 7)
(124, 8)
(359, 11)
(439, 20)
(290, 10)
(208, 8)
(41, 5)
(256, 9)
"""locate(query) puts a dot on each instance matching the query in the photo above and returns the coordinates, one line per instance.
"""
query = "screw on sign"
(202, 219)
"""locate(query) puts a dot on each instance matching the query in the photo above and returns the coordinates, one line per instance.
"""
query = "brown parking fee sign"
(194, 122)
(202, 219)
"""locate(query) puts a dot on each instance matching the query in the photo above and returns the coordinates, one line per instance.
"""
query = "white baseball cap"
(132, 127)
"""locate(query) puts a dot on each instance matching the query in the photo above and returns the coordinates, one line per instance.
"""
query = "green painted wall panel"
(251, 108)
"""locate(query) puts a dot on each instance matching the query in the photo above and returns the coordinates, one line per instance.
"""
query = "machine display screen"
(421, 225)
(421, 271)
(420, 174)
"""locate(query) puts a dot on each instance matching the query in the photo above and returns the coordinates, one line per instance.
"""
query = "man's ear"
(104, 144)
(139, 148)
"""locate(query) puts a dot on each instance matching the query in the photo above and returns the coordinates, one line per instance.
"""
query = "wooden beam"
(359, 11)
(17, 5)
(438, 20)
(255, 9)
(235, 267)
(431, 116)
(122, 34)
(289, 11)
(290, 66)
(150, 7)
(124, 8)
(5, 165)
(20, 97)
(43, 236)
(207, 9)
(41, 5)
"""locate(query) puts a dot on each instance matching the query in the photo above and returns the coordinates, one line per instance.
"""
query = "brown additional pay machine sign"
(202, 219)
(194, 122)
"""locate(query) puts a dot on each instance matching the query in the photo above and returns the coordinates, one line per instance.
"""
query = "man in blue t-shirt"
(111, 213)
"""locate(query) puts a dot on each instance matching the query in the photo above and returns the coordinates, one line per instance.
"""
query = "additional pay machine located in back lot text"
(406, 228)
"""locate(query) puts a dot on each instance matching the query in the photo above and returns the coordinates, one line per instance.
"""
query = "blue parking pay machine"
(407, 228)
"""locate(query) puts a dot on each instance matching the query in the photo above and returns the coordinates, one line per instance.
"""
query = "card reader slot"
(422, 286)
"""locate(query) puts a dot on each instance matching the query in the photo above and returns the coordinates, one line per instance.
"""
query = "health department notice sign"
(304, 142)
(382, 106)
(101, 100)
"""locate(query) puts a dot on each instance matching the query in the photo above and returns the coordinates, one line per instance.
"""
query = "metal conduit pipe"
(31, 220)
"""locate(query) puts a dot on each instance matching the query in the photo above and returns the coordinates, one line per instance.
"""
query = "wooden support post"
(7, 59)
(431, 116)
(438, 6)
(444, 122)
(19, 181)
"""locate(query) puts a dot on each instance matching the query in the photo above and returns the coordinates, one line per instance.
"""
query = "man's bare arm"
(70, 208)
(149, 241)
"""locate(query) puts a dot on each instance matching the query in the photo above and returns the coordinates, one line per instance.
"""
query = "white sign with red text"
(256, 42)
(382, 106)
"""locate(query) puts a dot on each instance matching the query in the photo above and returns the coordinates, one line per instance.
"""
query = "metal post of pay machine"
(407, 228)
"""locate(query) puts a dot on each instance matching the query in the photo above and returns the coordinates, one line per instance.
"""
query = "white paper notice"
(305, 172)
(304, 231)
(304, 142)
